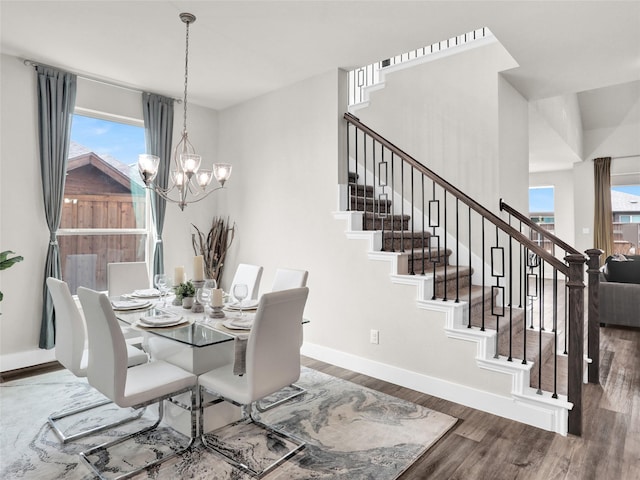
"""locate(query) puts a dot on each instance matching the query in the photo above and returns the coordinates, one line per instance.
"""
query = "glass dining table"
(196, 331)
(197, 345)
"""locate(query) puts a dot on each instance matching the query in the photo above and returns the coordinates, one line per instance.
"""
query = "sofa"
(619, 291)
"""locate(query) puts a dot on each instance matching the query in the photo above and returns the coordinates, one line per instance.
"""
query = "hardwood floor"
(483, 446)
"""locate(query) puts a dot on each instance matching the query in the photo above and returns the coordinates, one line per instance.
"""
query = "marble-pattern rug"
(352, 433)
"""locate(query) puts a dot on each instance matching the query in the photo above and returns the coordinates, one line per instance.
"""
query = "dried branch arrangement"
(214, 246)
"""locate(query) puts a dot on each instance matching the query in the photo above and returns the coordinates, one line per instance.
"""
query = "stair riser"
(418, 264)
(405, 241)
(386, 224)
(361, 204)
(361, 190)
(463, 283)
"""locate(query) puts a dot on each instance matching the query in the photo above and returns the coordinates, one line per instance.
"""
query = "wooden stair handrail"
(534, 226)
(463, 197)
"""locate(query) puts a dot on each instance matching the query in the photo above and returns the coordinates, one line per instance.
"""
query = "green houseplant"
(185, 291)
(6, 262)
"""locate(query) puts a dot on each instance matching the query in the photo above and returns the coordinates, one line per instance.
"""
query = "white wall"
(562, 114)
(445, 112)
(22, 223)
(513, 142)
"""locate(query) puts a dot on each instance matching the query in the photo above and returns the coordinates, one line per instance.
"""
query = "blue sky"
(121, 141)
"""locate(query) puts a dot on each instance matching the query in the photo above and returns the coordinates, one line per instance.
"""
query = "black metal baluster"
(393, 203)
(383, 196)
(566, 314)
(555, 333)
(469, 237)
(458, 252)
(401, 205)
(423, 227)
(497, 271)
(364, 188)
(411, 252)
(483, 284)
(433, 223)
(443, 255)
(355, 181)
(522, 278)
(349, 187)
(541, 300)
(540, 270)
(510, 358)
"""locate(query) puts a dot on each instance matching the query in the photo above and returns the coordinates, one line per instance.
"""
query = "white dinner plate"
(239, 323)
(161, 320)
(146, 293)
(246, 305)
(123, 305)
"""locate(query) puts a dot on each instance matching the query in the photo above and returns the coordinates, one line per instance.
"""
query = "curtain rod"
(33, 63)
(624, 156)
(624, 174)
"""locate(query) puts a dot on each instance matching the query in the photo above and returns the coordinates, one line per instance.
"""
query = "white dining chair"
(249, 275)
(71, 353)
(272, 363)
(286, 278)
(134, 387)
(125, 277)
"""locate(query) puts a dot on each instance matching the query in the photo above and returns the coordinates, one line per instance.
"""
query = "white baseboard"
(520, 409)
(29, 358)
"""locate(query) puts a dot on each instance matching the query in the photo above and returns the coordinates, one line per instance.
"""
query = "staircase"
(452, 283)
(497, 287)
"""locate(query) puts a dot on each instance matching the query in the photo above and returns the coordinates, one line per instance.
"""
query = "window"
(104, 214)
(625, 206)
(541, 212)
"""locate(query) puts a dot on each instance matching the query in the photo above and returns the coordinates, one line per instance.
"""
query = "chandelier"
(189, 182)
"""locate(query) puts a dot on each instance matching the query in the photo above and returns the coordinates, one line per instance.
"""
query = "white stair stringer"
(526, 405)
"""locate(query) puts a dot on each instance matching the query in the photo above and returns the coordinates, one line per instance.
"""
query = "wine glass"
(240, 292)
(161, 282)
(203, 296)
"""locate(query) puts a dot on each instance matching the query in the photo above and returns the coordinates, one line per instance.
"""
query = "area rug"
(352, 433)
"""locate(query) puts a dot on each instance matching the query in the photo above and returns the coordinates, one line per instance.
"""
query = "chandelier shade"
(188, 182)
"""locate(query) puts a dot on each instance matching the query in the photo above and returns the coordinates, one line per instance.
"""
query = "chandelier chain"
(188, 179)
(186, 78)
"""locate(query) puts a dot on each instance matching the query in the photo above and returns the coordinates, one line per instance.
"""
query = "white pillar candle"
(178, 276)
(216, 297)
(198, 268)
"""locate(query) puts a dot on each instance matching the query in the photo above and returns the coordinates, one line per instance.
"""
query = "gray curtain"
(158, 129)
(56, 101)
(603, 216)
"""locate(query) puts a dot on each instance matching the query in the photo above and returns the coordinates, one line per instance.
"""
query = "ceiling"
(242, 49)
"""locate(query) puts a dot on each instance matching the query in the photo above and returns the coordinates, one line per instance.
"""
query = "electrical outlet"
(374, 336)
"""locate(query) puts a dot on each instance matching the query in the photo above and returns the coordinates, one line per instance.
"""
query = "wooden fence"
(84, 257)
